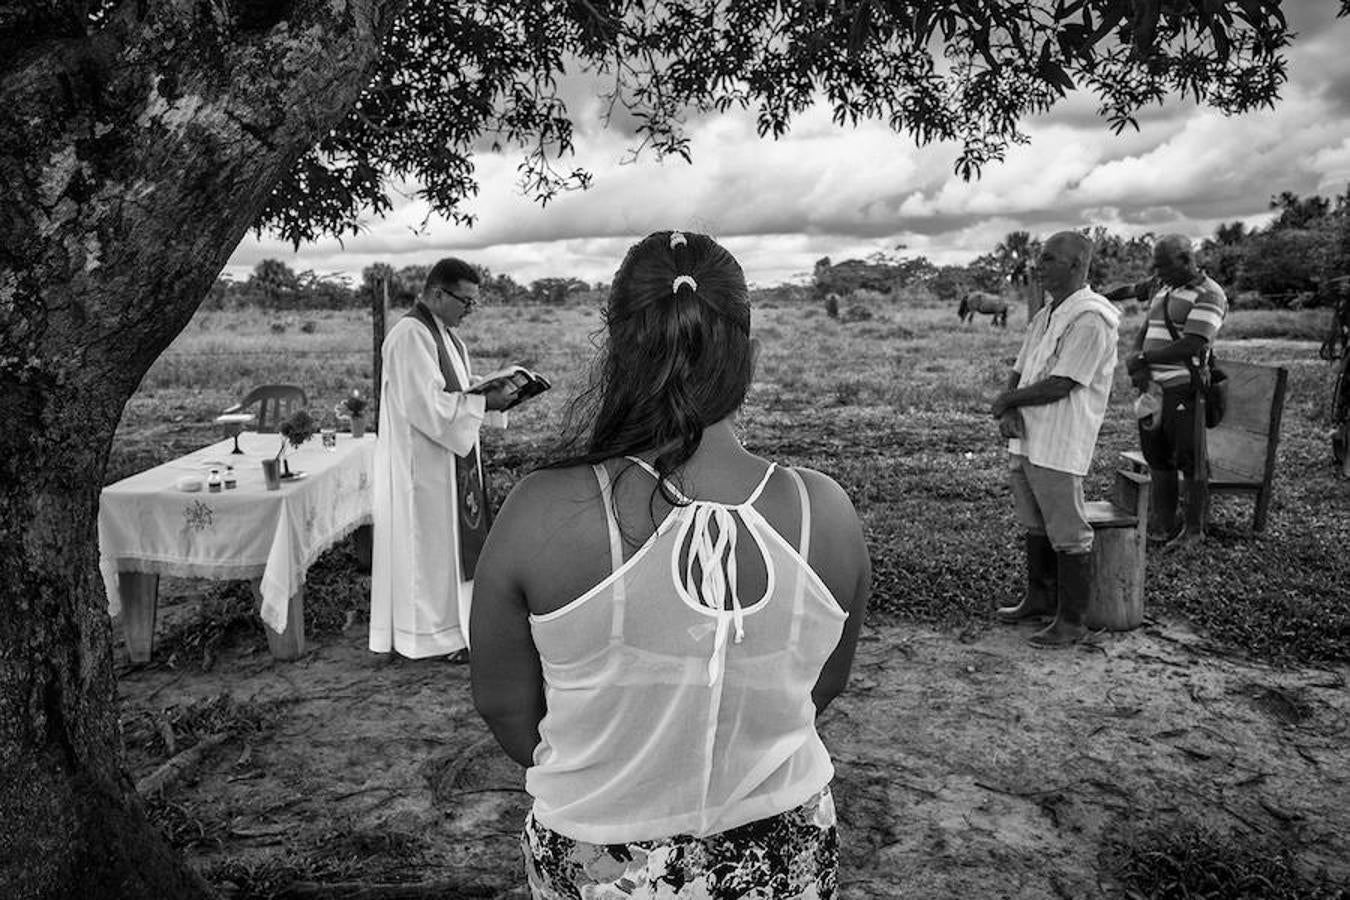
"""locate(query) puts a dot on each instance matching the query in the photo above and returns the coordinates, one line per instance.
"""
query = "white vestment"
(419, 604)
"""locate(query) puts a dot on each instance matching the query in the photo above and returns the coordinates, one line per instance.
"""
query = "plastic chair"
(275, 403)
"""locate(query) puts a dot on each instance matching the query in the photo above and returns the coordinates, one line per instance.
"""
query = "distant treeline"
(274, 285)
(1302, 258)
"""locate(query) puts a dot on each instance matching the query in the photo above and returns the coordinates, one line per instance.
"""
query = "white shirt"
(675, 706)
(1074, 339)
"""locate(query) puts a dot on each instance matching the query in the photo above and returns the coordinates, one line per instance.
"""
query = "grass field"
(1200, 755)
(893, 407)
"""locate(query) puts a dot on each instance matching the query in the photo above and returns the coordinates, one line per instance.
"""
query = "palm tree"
(1227, 235)
(1016, 255)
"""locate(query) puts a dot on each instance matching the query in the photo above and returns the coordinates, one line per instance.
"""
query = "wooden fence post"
(1033, 294)
(379, 310)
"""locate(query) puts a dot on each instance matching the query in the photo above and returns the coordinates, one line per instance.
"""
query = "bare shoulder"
(545, 494)
(550, 539)
(838, 552)
(835, 526)
(825, 493)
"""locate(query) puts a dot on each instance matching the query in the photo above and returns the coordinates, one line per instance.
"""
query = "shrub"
(1250, 300)
(868, 296)
(1187, 860)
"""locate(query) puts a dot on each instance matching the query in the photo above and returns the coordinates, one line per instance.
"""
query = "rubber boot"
(1075, 594)
(1163, 525)
(1040, 600)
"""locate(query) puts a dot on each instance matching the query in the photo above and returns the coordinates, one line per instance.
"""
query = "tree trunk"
(133, 159)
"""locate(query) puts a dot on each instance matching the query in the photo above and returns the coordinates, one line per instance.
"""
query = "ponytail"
(675, 357)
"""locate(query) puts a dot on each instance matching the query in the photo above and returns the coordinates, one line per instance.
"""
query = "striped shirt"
(1197, 308)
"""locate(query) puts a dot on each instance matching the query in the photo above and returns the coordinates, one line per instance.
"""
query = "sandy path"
(968, 765)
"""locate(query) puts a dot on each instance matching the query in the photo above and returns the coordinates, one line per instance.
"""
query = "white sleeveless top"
(676, 706)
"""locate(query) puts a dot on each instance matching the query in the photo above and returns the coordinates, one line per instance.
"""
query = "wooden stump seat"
(1119, 551)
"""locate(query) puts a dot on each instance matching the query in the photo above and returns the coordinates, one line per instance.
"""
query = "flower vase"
(358, 426)
(285, 468)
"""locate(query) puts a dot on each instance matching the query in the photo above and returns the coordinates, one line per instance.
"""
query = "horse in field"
(986, 303)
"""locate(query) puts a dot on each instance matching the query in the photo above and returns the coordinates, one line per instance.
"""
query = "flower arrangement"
(353, 405)
(296, 429)
(353, 408)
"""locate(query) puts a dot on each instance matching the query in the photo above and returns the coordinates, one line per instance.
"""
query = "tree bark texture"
(135, 153)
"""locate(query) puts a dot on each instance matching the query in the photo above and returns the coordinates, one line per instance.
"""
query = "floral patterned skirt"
(788, 856)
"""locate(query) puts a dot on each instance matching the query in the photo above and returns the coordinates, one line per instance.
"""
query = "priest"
(431, 508)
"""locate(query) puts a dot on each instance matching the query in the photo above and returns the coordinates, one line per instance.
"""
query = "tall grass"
(1188, 861)
(894, 407)
(1283, 324)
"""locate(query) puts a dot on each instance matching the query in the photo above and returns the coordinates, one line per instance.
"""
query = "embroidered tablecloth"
(149, 523)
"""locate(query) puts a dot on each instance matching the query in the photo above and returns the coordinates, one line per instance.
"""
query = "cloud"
(839, 192)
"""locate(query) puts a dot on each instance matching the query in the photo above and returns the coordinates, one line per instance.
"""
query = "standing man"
(431, 512)
(1051, 411)
(1187, 311)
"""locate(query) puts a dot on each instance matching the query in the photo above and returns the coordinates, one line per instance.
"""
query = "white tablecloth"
(148, 523)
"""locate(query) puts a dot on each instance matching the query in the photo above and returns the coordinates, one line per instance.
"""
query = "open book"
(517, 382)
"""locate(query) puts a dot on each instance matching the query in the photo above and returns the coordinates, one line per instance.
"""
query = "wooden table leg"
(364, 548)
(290, 644)
(140, 602)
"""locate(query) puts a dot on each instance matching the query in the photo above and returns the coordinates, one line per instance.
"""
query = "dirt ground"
(968, 765)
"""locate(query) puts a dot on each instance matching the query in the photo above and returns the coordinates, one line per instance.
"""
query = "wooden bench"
(1119, 552)
(1241, 449)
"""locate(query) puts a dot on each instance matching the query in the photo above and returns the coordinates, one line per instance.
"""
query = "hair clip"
(683, 279)
(677, 240)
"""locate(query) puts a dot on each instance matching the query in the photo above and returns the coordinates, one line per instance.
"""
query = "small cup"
(329, 436)
(272, 474)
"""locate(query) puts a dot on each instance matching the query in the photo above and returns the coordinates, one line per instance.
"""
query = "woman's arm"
(839, 555)
(508, 684)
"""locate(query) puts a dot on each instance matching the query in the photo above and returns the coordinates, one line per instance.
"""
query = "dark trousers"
(1171, 446)
(1169, 449)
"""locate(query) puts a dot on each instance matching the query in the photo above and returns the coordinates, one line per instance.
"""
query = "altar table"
(149, 525)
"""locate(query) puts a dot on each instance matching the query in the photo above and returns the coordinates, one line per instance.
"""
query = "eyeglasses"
(467, 301)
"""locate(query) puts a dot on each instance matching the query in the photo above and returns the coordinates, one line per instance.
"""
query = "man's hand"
(999, 406)
(1010, 424)
(1138, 371)
(498, 398)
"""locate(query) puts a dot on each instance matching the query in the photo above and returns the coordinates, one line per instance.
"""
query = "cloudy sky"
(847, 192)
